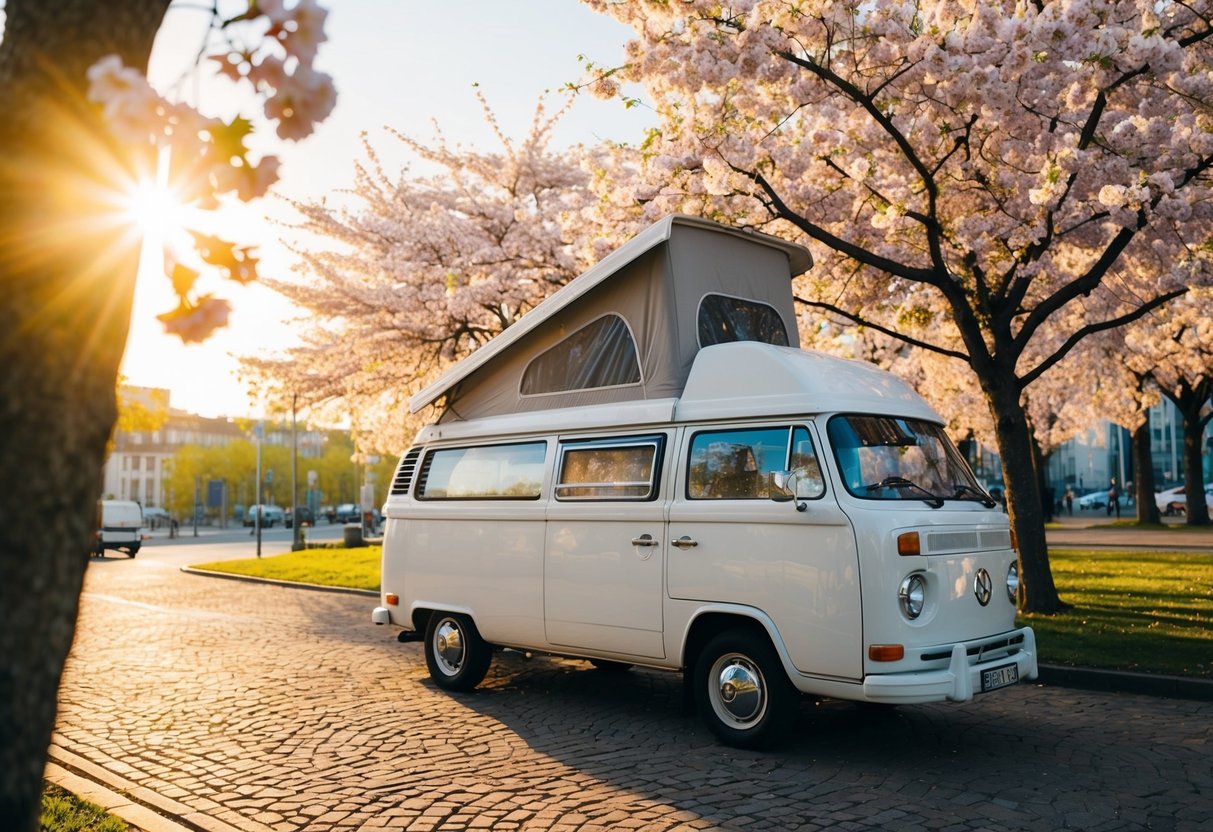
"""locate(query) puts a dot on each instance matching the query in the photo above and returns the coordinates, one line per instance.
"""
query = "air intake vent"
(939, 542)
(404, 472)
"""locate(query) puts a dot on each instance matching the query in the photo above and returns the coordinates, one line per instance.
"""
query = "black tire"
(607, 666)
(742, 691)
(456, 655)
(132, 551)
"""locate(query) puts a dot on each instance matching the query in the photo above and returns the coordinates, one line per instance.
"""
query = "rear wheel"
(457, 657)
(741, 690)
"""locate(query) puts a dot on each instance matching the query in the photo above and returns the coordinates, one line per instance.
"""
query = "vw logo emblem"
(982, 586)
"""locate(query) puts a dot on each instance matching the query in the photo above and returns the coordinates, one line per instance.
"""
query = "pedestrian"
(1069, 501)
(1113, 499)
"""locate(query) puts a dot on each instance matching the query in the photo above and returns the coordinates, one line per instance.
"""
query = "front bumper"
(958, 682)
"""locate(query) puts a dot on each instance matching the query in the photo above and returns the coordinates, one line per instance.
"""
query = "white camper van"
(119, 526)
(647, 470)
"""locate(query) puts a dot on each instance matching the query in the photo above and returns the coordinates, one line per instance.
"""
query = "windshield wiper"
(931, 499)
(982, 497)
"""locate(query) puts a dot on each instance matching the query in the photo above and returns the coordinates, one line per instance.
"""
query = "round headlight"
(912, 595)
(1013, 582)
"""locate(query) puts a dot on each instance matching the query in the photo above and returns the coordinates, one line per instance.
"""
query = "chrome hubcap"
(737, 691)
(448, 647)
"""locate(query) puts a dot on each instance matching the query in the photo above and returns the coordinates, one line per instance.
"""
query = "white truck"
(119, 527)
(766, 520)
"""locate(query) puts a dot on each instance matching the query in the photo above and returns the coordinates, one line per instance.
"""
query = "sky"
(404, 64)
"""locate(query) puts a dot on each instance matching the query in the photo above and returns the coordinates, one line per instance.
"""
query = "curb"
(1121, 681)
(142, 808)
(252, 579)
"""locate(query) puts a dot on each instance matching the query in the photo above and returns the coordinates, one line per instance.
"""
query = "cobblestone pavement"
(271, 708)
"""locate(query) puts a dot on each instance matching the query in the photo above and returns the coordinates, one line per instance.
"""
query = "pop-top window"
(724, 319)
(486, 472)
(600, 354)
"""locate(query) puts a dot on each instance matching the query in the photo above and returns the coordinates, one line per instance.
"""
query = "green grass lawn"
(356, 568)
(62, 811)
(1131, 610)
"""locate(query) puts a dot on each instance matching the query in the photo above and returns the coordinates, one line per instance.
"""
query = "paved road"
(258, 707)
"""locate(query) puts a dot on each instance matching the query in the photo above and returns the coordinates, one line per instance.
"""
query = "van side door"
(605, 552)
(731, 544)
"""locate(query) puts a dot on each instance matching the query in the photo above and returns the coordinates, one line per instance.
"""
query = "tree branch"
(914, 342)
(857, 253)
(1091, 329)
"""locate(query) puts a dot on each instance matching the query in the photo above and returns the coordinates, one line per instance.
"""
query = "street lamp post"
(296, 523)
(257, 506)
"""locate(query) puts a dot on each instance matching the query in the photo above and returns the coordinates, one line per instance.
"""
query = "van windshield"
(889, 458)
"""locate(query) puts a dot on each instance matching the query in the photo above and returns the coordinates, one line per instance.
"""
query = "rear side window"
(485, 472)
(615, 469)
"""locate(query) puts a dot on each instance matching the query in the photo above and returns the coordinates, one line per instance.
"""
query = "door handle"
(644, 540)
(684, 542)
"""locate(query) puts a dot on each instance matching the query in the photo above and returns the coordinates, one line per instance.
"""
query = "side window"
(486, 472)
(803, 462)
(733, 464)
(723, 319)
(615, 469)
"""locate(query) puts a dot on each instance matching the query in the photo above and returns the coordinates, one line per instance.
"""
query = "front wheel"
(742, 691)
(457, 657)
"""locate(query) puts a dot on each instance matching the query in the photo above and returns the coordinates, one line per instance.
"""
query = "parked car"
(270, 516)
(1095, 499)
(347, 513)
(329, 513)
(155, 517)
(1173, 501)
(305, 515)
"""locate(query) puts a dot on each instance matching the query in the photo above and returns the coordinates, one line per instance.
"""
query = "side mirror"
(782, 488)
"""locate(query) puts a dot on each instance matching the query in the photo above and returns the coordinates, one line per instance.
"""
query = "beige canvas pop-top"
(630, 327)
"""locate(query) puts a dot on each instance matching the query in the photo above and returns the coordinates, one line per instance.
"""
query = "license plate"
(999, 677)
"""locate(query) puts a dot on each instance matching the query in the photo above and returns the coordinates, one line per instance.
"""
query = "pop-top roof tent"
(629, 328)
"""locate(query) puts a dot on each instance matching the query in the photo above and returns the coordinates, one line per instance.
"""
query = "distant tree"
(412, 273)
(1174, 348)
(970, 174)
(80, 127)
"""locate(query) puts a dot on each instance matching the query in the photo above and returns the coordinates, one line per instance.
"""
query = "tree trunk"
(67, 268)
(1194, 481)
(1037, 592)
(1143, 468)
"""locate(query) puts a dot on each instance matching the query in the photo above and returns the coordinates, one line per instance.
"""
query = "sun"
(154, 208)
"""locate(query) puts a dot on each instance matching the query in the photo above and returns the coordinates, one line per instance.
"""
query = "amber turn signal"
(908, 544)
(886, 652)
(392, 599)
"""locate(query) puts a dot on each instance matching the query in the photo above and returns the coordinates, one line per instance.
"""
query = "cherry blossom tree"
(81, 127)
(971, 175)
(411, 273)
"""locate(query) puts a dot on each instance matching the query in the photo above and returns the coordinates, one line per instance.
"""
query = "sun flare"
(155, 209)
